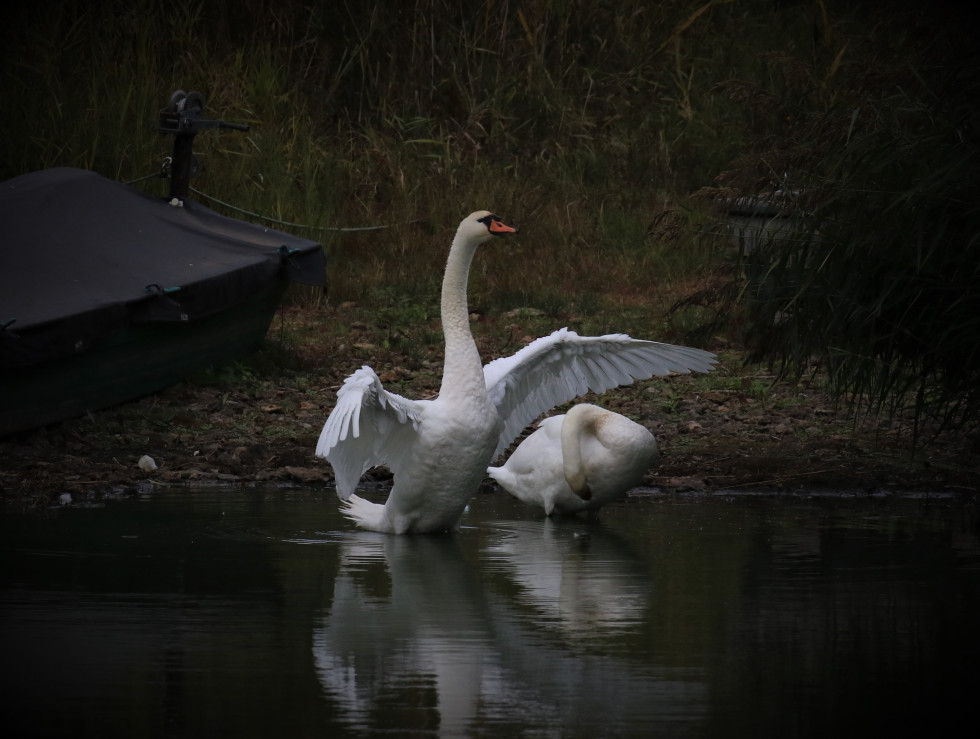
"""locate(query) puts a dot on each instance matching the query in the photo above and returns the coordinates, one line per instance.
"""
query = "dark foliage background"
(620, 130)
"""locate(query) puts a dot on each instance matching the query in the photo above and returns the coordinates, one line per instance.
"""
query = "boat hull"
(138, 361)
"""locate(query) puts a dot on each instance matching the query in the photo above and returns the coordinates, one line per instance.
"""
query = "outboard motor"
(184, 117)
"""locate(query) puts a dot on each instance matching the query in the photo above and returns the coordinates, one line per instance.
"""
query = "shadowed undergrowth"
(589, 126)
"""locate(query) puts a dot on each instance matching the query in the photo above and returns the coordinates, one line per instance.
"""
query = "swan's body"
(438, 450)
(579, 461)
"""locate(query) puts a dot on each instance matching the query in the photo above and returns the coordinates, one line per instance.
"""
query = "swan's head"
(479, 226)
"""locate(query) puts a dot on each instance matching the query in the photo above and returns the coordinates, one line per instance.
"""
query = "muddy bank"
(257, 423)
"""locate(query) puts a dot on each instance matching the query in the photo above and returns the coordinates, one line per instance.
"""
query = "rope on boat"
(163, 173)
(294, 225)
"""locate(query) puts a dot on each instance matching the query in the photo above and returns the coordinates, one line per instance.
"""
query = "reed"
(589, 125)
(879, 281)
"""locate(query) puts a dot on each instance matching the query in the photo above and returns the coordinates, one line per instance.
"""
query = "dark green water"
(262, 613)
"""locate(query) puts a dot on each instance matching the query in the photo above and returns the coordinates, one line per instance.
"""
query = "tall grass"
(880, 280)
(588, 125)
(575, 120)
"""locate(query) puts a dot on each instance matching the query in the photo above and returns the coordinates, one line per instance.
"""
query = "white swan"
(438, 450)
(579, 461)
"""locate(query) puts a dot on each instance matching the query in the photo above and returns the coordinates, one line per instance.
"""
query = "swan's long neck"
(580, 420)
(463, 372)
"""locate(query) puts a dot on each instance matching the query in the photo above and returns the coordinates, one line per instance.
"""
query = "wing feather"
(557, 368)
(367, 427)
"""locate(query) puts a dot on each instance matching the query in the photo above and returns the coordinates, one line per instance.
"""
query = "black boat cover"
(82, 257)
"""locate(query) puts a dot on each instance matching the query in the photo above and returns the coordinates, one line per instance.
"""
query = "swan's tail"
(503, 477)
(367, 515)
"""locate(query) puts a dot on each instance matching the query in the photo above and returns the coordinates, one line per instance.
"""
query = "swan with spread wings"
(438, 450)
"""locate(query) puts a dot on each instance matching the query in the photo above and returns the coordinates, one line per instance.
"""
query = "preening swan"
(579, 461)
(438, 450)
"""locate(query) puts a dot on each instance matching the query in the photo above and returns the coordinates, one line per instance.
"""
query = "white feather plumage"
(438, 450)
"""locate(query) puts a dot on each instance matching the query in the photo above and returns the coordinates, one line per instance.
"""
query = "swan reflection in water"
(521, 638)
(574, 578)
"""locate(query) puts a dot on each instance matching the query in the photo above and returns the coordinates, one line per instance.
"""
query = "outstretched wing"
(368, 426)
(557, 368)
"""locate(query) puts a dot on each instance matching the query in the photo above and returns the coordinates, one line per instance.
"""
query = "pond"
(261, 612)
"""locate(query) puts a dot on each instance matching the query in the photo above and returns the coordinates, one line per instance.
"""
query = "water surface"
(263, 613)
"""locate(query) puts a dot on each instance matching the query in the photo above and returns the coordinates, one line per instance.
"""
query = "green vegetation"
(609, 132)
(878, 276)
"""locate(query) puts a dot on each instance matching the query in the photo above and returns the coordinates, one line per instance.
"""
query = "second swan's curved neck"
(581, 419)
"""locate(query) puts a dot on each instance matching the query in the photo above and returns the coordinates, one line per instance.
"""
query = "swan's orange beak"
(499, 227)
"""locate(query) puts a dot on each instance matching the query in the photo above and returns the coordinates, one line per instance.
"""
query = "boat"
(108, 294)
